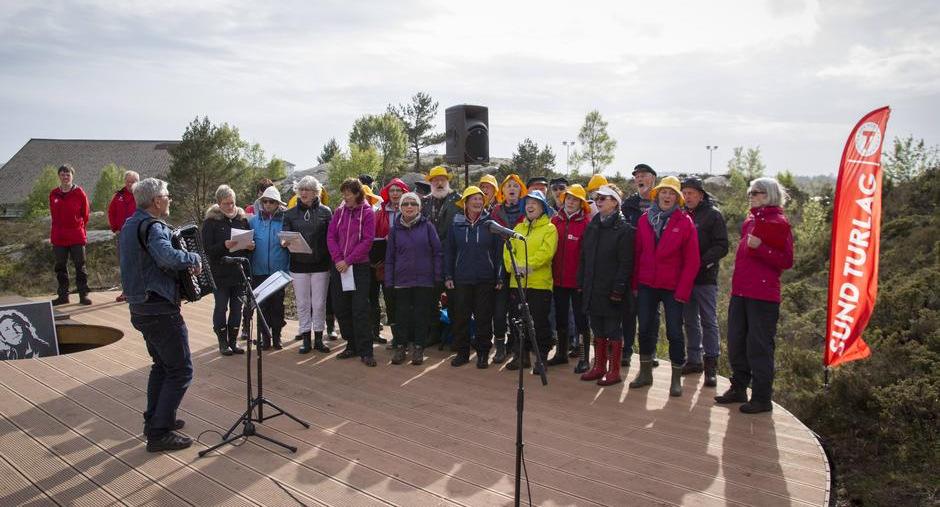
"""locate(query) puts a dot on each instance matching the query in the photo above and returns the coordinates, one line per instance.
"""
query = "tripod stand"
(274, 283)
(525, 329)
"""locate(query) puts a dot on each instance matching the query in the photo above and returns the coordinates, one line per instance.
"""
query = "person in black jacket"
(221, 218)
(700, 314)
(310, 271)
(633, 208)
(604, 273)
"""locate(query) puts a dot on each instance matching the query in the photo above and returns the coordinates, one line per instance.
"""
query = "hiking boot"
(399, 356)
(732, 395)
(169, 441)
(711, 371)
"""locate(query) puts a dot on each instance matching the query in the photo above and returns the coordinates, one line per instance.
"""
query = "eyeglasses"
(267, 201)
(408, 203)
(168, 198)
(752, 193)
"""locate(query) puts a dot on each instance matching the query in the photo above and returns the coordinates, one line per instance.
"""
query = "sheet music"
(295, 242)
(270, 285)
(241, 237)
(349, 282)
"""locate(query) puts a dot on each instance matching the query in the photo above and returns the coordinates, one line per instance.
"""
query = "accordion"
(193, 287)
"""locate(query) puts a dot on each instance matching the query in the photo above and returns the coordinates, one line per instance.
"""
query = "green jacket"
(542, 239)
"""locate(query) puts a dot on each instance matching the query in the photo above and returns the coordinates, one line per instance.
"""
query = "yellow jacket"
(542, 239)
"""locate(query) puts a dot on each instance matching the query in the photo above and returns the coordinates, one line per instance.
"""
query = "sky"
(670, 77)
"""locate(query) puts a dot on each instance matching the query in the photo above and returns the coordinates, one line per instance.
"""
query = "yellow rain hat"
(578, 192)
(469, 191)
(437, 171)
(670, 182)
(597, 181)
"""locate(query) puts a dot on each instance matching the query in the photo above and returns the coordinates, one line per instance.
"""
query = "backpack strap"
(149, 222)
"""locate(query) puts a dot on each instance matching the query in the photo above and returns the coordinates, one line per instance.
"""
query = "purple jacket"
(414, 257)
(350, 234)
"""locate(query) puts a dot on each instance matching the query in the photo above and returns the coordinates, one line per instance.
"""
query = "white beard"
(440, 193)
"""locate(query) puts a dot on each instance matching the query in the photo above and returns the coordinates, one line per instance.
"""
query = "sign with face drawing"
(27, 330)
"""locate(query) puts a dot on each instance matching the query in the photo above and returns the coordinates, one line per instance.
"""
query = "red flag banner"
(856, 230)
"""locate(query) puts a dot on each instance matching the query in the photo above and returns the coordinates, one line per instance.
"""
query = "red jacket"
(673, 262)
(121, 208)
(757, 270)
(568, 254)
(70, 213)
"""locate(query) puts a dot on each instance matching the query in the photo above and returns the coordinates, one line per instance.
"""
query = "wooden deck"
(70, 434)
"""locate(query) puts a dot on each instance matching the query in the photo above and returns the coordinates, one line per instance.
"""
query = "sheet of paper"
(241, 237)
(295, 242)
(349, 282)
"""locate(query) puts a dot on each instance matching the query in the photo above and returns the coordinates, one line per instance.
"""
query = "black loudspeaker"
(468, 137)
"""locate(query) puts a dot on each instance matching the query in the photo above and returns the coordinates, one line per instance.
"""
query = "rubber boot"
(561, 351)
(233, 341)
(318, 344)
(305, 347)
(613, 373)
(500, 354)
(600, 360)
(584, 363)
(675, 385)
(645, 376)
(711, 371)
(222, 334)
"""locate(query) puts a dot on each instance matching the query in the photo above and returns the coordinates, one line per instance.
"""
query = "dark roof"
(87, 156)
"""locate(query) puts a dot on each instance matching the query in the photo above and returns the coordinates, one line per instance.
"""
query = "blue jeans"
(168, 345)
(648, 301)
(227, 298)
(700, 316)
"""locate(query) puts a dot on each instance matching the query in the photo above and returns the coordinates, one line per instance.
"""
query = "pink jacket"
(349, 237)
(673, 262)
(757, 270)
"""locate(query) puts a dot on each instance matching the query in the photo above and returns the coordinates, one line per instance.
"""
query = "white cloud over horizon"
(790, 76)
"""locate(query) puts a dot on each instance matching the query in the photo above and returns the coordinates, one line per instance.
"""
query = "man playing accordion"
(148, 265)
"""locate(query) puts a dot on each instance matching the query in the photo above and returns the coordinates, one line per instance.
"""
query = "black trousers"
(411, 324)
(569, 299)
(540, 303)
(752, 325)
(167, 342)
(388, 296)
(474, 300)
(272, 308)
(352, 309)
(62, 254)
(630, 321)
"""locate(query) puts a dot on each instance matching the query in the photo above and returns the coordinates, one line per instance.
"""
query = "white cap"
(273, 194)
(609, 191)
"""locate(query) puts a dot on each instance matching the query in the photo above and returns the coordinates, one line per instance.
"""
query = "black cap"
(365, 179)
(423, 186)
(536, 179)
(555, 181)
(696, 183)
(643, 168)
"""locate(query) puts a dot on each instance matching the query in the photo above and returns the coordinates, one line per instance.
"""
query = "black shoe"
(514, 363)
(417, 356)
(83, 299)
(61, 300)
(500, 354)
(460, 359)
(655, 362)
(483, 360)
(233, 341)
(318, 343)
(369, 361)
(399, 356)
(305, 348)
(176, 426)
(346, 354)
(756, 407)
(732, 395)
(169, 441)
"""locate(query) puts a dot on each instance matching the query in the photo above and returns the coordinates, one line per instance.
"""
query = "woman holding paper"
(223, 221)
(349, 239)
(310, 271)
(269, 257)
(765, 251)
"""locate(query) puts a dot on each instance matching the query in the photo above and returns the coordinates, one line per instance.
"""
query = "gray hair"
(132, 173)
(224, 191)
(308, 183)
(410, 195)
(776, 194)
(145, 191)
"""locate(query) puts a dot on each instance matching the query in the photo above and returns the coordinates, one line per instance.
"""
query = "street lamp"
(710, 150)
(568, 145)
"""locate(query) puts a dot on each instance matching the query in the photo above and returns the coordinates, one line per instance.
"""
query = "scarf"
(233, 215)
(658, 218)
(409, 224)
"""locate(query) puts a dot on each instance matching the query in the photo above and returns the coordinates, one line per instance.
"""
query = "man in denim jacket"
(149, 267)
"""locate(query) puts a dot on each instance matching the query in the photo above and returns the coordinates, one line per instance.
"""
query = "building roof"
(87, 156)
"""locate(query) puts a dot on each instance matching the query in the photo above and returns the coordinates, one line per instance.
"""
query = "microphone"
(234, 260)
(504, 232)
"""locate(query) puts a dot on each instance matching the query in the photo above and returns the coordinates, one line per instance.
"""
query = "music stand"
(251, 300)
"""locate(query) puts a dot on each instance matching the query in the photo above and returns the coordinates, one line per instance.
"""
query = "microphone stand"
(246, 420)
(525, 329)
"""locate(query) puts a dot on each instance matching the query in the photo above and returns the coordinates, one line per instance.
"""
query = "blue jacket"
(472, 254)
(154, 271)
(269, 256)
(413, 255)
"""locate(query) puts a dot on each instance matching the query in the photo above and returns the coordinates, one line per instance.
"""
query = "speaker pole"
(466, 174)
